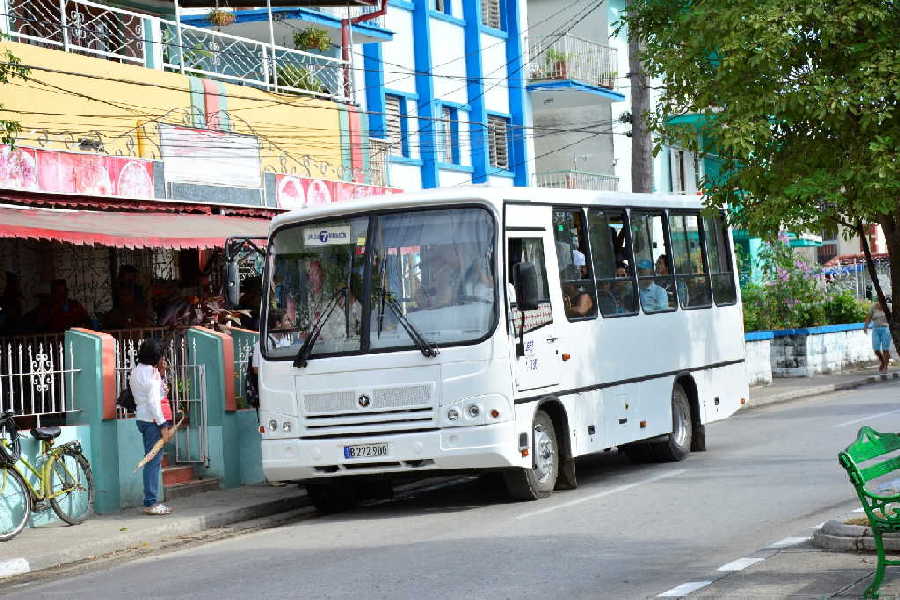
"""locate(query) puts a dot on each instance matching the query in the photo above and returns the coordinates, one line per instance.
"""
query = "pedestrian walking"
(881, 333)
(149, 392)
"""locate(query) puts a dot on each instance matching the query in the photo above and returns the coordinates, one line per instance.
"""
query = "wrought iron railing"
(379, 150)
(570, 58)
(243, 352)
(577, 180)
(34, 378)
(86, 27)
(128, 342)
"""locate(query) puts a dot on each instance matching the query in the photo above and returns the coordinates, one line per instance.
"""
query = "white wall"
(406, 177)
(448, 58)
(399, 51)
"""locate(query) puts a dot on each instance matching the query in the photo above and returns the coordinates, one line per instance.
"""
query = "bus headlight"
(273, 425)
(478, 410)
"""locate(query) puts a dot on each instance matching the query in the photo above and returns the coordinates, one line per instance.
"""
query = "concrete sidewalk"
(793, 388)
(48, 546)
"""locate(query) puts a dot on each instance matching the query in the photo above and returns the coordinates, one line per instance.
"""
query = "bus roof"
(488, 195)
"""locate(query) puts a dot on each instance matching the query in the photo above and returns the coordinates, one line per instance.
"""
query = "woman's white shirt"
(147, 389)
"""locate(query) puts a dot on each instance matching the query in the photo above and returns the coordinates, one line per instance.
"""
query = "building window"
(490, 14)
(448, 138)
(498, 142)
(684, 171)
(396, 125)
(443, 6)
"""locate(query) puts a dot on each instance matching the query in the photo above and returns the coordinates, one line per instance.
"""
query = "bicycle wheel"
(71, 487)
(15, 503)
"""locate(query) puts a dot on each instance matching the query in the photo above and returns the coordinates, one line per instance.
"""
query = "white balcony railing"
(577, 180)
(570, 58)
(86, 27)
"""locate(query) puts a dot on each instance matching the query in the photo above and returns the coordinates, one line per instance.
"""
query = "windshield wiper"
(427, 349)
(302, 358)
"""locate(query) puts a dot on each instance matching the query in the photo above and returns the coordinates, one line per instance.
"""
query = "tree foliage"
(10, 68)
(800, 99)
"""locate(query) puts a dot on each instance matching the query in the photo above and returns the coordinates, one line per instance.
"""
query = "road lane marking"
(884, 414)
(740, 564)
(15, 566)
(684, 589)
(859, 510)
(614, 490)
(788, 541)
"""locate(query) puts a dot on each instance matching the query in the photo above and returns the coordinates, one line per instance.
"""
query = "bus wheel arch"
(565, 479)
(698, 430)
(540, 480)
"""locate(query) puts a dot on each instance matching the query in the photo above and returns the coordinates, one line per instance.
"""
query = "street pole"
(641, 142)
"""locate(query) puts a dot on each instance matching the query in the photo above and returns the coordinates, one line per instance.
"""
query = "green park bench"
(883, 511)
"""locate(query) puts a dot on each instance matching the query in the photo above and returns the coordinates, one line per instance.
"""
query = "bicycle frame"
(48, 453)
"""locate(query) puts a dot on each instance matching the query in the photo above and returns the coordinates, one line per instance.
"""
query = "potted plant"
(220, 18)
(312, 38)
(557, 64)
(299, 77)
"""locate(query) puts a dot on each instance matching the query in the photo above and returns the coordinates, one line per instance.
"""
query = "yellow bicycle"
(64, 480)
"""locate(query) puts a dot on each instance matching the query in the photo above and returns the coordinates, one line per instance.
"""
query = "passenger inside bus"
(578, 303)
(616, 297)
(653, 297)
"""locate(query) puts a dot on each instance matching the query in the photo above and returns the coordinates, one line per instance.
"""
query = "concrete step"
(189, 488)
(177, 474)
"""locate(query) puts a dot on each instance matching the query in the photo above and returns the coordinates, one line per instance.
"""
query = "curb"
(175, 527)
(180, 526)
(837, 536)
(809, 392)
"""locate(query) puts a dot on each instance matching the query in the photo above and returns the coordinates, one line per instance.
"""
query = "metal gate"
(189, 398)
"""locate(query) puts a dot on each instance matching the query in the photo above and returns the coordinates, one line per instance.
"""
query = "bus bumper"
(468, 448)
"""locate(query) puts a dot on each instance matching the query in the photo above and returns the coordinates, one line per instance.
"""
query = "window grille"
(393, 116)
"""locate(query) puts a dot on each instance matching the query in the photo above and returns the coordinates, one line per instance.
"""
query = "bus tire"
(332, 497)
(539, 481)
(677, 445)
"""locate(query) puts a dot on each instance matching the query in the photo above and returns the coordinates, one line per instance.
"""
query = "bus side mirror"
(525, 281)
(232, 282)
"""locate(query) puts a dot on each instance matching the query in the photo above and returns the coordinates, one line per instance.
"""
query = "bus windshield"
(434, 267)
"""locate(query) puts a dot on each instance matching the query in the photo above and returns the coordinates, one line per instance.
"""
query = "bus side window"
(656, 285)
(719, 260)
(691, 275)
(611, 250)
(530, 250)
(574, 259)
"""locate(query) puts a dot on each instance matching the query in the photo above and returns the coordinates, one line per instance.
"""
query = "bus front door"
(537, 362)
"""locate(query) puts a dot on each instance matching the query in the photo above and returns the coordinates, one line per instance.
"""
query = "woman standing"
(881, 334)
(149, 392)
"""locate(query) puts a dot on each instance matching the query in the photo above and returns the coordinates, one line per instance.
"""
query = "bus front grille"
(361, 412)
(387, 398)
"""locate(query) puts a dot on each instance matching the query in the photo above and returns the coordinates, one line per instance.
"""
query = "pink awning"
(127, 230)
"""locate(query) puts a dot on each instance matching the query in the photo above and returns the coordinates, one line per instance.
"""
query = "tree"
(799, 100)
(641, 140)
(10, 68)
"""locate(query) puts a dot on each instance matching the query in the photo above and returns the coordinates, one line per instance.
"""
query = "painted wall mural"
(293, 193)
(32, 169)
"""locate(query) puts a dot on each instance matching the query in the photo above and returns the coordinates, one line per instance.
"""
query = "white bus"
(509, 329)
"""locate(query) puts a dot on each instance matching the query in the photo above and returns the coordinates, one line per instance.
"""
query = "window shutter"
(393, 129)
(490, 13)
(498, 142)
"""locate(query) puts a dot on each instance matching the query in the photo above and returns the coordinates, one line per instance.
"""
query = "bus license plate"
(365, 450)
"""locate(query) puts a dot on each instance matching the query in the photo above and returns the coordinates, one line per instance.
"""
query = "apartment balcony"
(577, 180)
(573, 64)
(92, 29)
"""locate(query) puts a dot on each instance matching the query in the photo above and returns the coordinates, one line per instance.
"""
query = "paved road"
(629, 531)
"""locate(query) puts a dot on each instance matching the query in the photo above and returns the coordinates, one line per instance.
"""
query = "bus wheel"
(332, 497)
(678, 443)
(539, 481)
